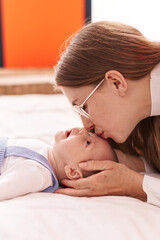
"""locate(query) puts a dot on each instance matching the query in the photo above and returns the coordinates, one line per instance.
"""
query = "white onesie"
(21, 175)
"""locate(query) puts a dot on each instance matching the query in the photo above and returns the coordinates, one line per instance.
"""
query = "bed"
(46, 216)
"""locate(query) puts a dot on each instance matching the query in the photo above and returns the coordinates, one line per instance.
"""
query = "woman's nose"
(98, 131)
(87, 123)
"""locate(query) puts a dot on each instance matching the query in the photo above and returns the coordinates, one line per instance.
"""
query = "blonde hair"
(103, 46)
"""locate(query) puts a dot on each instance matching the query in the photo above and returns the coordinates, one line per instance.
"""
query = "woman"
(111, 75)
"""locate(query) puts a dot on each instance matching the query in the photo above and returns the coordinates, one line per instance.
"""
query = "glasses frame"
(79, 108)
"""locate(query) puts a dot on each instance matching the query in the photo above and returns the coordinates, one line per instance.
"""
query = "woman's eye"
(88, 142)
(84, 107)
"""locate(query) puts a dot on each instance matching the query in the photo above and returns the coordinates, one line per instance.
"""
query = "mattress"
(48, 216)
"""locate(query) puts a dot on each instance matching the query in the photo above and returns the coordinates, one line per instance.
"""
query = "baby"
(31, 165)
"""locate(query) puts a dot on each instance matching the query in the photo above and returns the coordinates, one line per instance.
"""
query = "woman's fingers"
(95, 165)
(93, 180)
(105, 182)
(115, 179)
(82, 183)
(73, 192)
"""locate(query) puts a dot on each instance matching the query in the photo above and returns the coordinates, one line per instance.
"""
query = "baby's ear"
(72, 173)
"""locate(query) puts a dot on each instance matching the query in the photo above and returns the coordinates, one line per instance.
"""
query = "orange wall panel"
(33, 31)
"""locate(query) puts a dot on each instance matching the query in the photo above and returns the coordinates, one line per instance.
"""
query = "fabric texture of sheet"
(46, 216)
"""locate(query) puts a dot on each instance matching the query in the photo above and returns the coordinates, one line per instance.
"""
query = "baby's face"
(77, 145)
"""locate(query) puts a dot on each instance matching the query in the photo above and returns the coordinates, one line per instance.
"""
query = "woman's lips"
(102, 135)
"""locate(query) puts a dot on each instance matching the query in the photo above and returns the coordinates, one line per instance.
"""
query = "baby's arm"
(24, 177)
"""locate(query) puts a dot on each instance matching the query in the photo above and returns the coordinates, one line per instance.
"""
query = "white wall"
(142, 14)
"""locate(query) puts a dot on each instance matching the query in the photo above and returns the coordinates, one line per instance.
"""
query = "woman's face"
(111, 114)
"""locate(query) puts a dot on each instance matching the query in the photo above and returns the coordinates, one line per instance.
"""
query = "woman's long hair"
(103, 46)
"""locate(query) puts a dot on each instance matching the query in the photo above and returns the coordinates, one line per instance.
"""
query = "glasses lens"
(80, 111)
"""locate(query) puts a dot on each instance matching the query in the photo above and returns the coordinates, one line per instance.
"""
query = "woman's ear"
(72, 173)
(117, 81)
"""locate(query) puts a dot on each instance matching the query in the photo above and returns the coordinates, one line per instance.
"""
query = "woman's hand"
(113, 179)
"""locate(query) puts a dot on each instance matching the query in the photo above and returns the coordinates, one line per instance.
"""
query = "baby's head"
(77, 145)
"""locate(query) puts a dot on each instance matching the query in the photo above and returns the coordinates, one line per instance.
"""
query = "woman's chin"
(120, 139)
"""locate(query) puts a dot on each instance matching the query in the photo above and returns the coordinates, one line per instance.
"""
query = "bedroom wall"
(142, 14)
(33, 31)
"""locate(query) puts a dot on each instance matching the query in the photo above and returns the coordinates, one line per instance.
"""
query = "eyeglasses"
(79, 108)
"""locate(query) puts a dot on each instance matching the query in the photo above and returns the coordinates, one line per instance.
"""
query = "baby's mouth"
(68, 133)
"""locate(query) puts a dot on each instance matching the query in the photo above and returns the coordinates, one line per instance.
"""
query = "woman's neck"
(141, 96)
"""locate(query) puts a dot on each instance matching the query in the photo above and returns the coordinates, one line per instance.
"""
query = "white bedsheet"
(52, 216)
